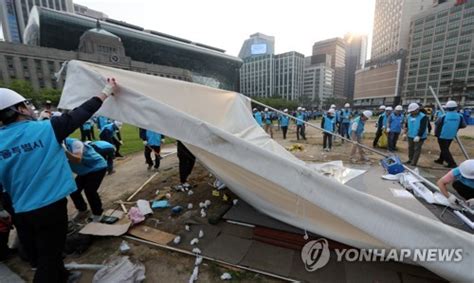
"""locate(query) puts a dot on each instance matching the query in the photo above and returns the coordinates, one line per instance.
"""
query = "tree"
(334, 100)
(25, 89)
(277, 103)
(50, 94)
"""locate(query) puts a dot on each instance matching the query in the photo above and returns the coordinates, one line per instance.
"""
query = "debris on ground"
(122, 270)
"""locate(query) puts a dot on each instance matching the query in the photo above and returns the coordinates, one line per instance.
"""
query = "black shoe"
(438, 161)
(408, 162)
(451, 165)
(118, 155)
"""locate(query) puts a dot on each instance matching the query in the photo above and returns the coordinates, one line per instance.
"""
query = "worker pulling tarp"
(218, 128)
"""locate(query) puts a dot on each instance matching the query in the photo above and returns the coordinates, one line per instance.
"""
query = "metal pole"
(429, 183)
(442, 110)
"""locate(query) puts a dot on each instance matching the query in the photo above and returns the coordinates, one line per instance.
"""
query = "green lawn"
(131, 141)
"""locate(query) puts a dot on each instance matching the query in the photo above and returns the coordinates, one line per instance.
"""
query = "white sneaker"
(96, 218)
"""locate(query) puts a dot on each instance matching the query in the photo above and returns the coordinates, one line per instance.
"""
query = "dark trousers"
(300, 130)
(109, 155)
(284, 129)
(392, 141)
(113, 140)
(466, 192)
(445, 154)
(327, 140)
(378, 134)
(344, 130)
(86, 135)
(90, 184)
(4, 250)
(186, 163)
(414, 150)
(156, 150)
(42, 233)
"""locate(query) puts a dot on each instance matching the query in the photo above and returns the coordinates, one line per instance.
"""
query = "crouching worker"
(90, 168)
(355, 131)
(462, 178)
(35, 174)
(107, 151)
(152, 144)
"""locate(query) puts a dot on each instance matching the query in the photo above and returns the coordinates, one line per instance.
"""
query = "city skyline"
(313, 21)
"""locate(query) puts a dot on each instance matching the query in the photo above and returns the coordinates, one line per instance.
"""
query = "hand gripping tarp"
(218, 127)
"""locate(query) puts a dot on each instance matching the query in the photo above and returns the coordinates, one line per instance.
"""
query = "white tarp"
(218, 127)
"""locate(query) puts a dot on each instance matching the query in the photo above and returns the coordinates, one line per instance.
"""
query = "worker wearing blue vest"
(447, 127)
(381, 125)
(110, 133)
(284, 123)
(300, 126)
(258, 117)
(394, 127)
(90, 168)
(345, 116)
(107, 151)
(152, 144)
(86, 130)
(356, 131)
(268, 122)
(35, 173)
(417, 132)
(101, 122)
(462, 179)
(328, 123)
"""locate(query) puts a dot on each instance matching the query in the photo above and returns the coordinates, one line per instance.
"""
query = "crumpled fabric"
(135, 215)
(121, 270)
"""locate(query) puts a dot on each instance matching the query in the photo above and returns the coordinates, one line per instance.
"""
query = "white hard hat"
(332, 111)
(303, 109)
(286, 110)
(333, 106)
(451, 104)
(299, 108)
(255, 109)
(382, 107)
(266, 109)
(412, 107)
(9, 98)
(389, 108)
(467, 169)
(398, 108)
(367, 113)
(347, 105)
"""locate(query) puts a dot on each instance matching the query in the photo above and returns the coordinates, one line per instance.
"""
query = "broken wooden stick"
(142, 186)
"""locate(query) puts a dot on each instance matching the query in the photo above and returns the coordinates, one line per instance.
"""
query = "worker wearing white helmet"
(394, 127)
(446, 129)
(381, 124)
(417, 132)
(462, 179)
(333, 106)
(268, 124)
(300, 126)
(35, 173)
(356, 131)
(284, 123)
(345, 116)
(328, 123)
(258, 117)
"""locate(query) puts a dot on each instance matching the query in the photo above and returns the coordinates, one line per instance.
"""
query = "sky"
(226, 24)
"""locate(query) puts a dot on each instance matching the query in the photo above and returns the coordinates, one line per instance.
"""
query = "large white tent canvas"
(218, 127)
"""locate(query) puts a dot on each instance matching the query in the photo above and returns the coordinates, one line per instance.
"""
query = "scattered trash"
(79, 266)
(203, 213)
(190, 192)
(135, 215)
(235, 201)
(177, 240)
(202, 205)
(124, 247)
(201, 234)
(122, 270)
(168, 195)
(196, 251)
(157, 192)
(215, 193)
(194, 241)
(160, 204)
(190, 206)
(156, 221)
(198, 260)
(144, 207)
(187, 228)
(177, 209)
(207, 203)
(218, 184)
(226, 276)
(225, 197)
(295, 147)
(194, 276)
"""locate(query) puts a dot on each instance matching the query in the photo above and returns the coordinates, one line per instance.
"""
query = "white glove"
(110, 88)
(145, 143)
(452, 199)
(121, 142)
(416, 139)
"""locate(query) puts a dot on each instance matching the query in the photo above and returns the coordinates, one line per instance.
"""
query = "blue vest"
(268, 118)
(300, 116)
(450, 125)
(414, 126)
(345, 116)
(91, 161)
(153, 138)
(329, 123)
(103, 145)
(284, 121)
(457, 175)
(101, 122)
(108, 131)
(87, 126)
(33, 168)
(396, 123)
(384, 120)
(258, 118)
(360, 127)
